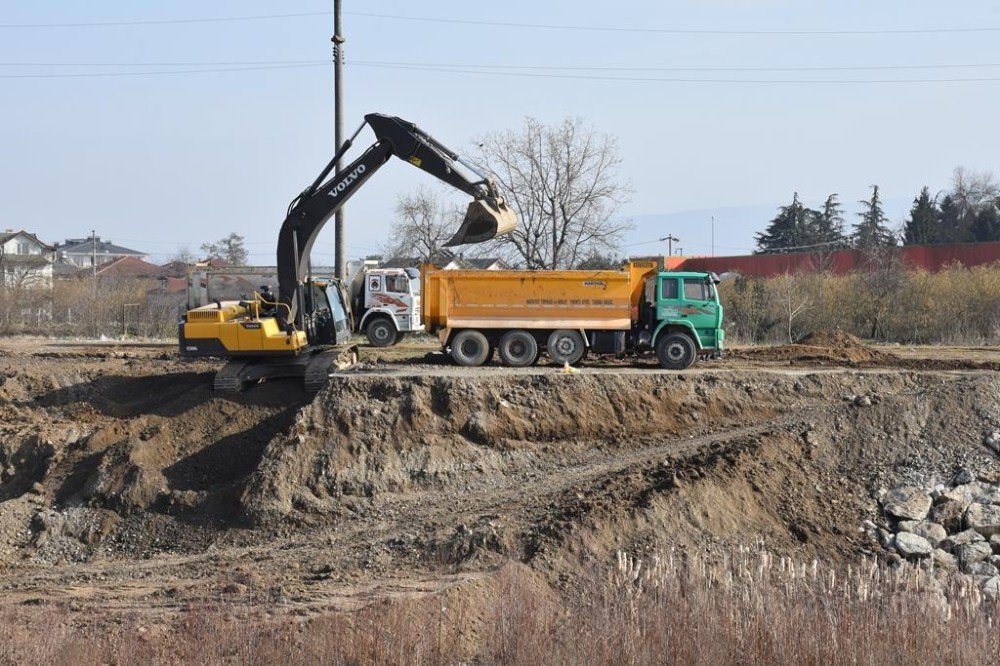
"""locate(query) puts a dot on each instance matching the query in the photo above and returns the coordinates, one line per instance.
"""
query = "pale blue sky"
(156, 162)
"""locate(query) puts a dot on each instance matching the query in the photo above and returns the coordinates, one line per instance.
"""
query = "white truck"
(384, 302)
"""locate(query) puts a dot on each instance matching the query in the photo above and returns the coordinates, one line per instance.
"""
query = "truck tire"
(470, 348)
(518, 349)
(676, 351)
(380, 332)
(566, 346)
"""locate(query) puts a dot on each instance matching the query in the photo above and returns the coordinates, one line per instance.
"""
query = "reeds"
(746, 606)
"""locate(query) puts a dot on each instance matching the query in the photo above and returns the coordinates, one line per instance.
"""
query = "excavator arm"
(487, 216)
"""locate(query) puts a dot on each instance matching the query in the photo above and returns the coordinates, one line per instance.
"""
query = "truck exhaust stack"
(484, 220)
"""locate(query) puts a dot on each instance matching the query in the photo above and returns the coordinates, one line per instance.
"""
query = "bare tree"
(882, 276)
(563, 182)
(794, 299)
(972, 189)
(423, 225)
(184, 255)
(230, 248)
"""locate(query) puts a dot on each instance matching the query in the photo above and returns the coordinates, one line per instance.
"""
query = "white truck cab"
(386, 303)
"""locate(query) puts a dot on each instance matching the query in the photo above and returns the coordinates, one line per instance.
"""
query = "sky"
(163, 161)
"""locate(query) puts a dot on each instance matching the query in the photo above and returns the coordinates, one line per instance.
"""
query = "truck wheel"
(675, 351)
(380, 332)
(566, 346)
(518, 348)
(470, 348)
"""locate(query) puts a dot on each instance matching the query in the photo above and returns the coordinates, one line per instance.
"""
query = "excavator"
(301, 331)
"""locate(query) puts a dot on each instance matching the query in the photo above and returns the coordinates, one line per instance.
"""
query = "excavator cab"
(328, 318)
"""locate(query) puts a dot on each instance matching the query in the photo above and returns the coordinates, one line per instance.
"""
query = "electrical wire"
(682, 31)
(141, 22)
(512, 24)
(685, 79)
(85, 75)
(390, 63)
(521, 74)
(165, 64)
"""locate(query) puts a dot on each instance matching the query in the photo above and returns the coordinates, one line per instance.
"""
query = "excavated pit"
(113, 461)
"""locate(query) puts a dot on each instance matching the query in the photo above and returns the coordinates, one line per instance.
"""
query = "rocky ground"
(126, 484)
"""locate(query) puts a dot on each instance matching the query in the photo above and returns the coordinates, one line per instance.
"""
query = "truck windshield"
(696, 289)
(414, 281)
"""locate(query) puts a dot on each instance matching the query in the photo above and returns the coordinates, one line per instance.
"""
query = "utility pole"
(671, 239)
(713, 235)
(93, 261)
(339, 263)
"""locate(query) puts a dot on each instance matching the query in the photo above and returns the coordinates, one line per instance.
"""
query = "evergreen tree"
(951, 224)
(827, 225)
(871, 232)
(923, 227)
(790, 229)
(986, 225)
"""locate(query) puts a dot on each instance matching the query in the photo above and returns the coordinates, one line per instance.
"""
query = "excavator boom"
(299, 332)
(486, 217)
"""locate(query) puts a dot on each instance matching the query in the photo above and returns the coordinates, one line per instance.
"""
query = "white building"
(85, 252)
(25, 261)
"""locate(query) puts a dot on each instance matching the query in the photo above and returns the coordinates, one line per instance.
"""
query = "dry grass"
(748, 608)
(953, 306)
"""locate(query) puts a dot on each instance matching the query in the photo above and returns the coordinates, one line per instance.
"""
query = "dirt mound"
(369, 435)
(836, 339)
(823, 348)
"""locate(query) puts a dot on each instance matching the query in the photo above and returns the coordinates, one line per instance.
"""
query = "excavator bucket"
(484, 220)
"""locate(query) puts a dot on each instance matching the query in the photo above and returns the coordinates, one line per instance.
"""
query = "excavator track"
(322, 364)
(231, 378)
(314, 368)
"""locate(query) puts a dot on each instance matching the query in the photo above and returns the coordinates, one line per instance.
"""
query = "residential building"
(82, 252)
(127, 267)
(25, 261)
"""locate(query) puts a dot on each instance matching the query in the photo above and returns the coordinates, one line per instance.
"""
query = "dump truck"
(569, 313)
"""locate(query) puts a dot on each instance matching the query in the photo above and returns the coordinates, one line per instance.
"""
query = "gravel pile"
(953, 527)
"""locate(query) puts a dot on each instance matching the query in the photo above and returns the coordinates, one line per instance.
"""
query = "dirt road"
(128, 485)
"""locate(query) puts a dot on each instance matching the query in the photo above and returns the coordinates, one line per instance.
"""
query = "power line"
(681, 31)
(511, 24)
(164, 64)
(831, 68)
(680, 80)
(115, 24)
(83, 75)
(390, 63)
(521, 74)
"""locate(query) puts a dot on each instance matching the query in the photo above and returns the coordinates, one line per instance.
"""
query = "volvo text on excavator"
(296, 332)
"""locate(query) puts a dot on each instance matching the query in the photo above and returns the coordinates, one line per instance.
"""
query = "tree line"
(969, 212)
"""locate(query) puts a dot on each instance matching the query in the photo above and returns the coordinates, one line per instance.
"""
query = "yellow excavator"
(297, 332)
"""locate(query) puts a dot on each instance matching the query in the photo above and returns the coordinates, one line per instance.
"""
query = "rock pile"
(955, 528)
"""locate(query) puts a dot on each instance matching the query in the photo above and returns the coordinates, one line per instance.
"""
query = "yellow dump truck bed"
(480, 299)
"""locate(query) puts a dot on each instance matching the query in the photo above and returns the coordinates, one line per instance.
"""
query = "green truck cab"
(684, 317)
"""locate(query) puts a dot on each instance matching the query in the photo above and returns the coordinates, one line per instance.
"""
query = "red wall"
(927, 257)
